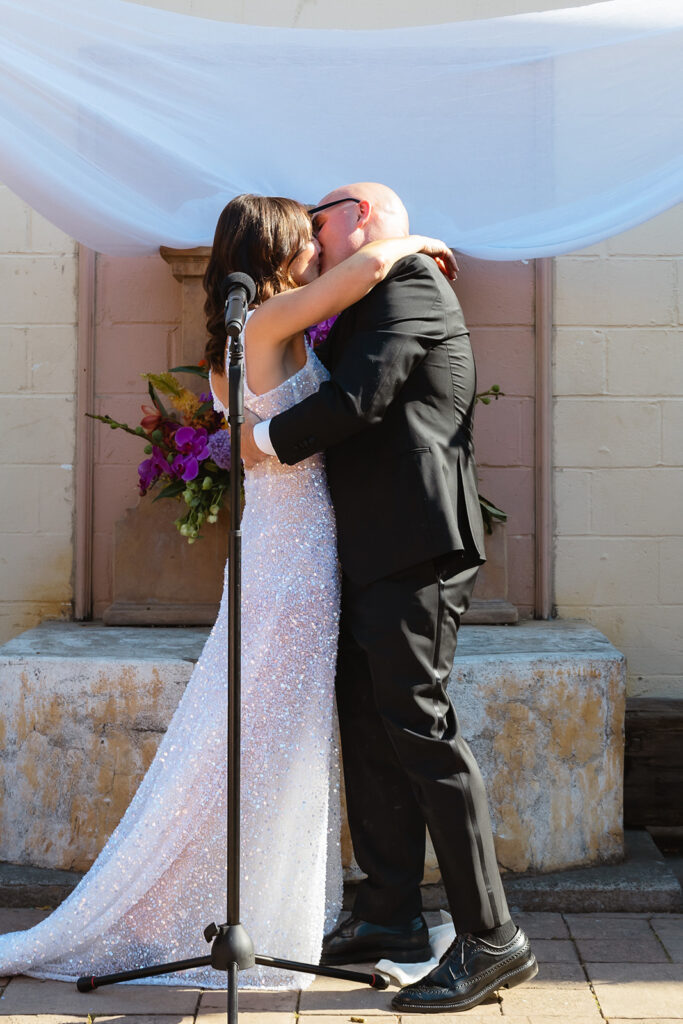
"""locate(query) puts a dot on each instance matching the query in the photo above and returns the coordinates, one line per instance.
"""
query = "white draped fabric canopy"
(533, 135)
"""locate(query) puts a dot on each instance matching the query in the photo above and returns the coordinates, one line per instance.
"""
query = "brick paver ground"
(615, 968)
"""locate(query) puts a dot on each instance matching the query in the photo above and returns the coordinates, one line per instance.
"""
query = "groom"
(395, 423)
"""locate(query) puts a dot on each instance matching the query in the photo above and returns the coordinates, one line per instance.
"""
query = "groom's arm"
(396, 325)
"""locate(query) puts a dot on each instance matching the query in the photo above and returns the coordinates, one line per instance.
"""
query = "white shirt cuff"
(262, 437)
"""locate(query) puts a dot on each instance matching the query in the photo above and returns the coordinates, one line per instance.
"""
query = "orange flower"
(152, 418)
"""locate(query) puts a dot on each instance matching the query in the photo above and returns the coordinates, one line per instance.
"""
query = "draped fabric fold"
(533, 135)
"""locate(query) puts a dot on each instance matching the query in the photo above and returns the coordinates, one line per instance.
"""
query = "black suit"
(395, 422)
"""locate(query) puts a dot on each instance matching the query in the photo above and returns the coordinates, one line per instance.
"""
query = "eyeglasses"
(326, 206)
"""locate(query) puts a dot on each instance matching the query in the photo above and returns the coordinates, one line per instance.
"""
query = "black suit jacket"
(395, 423)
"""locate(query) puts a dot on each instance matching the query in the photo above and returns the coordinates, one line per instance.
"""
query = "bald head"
(342, 229)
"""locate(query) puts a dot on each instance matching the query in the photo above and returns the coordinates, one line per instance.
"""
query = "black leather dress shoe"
(467, 973)
(355, 941)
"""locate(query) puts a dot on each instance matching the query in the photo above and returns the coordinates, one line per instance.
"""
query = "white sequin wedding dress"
(161, 877)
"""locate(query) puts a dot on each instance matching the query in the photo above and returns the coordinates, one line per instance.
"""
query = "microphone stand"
(232, 950)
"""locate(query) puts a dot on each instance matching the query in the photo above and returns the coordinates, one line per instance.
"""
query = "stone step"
(642, 883)
(22, 886)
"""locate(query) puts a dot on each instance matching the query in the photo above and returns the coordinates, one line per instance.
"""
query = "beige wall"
(618, 416)
(38, 279)
(618, 449)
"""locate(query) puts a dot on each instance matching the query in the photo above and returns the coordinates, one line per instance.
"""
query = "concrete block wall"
(618, 446)
(38, 340)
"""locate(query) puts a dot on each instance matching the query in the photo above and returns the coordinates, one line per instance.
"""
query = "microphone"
(239, 291)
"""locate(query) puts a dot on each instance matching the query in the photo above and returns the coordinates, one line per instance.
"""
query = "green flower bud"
(157, 435)
(212, 519)
(147, 449)
(214, 510)
(191, 540)
(207, 483)
(139, 430)
(188, 496)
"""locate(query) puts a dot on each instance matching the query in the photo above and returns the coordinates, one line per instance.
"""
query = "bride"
(161, 877)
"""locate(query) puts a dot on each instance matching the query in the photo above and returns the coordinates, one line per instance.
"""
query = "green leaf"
(491, 514)
(171, 490)
(204, 407)
(157, 401)
(165, 382)
(196, 370)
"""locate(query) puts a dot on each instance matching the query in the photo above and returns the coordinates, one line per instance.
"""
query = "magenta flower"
(185, 467)
(318, 332)
(192, 448)
(189, 441)
(151, 469)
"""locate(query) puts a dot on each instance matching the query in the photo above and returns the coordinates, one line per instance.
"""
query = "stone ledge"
(84, 640)
(641, 883)
(22, 886)
(541, 703)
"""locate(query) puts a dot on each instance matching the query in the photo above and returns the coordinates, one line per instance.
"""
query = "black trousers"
(405, 761)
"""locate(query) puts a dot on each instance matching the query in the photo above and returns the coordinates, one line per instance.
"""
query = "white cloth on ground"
(440, 938)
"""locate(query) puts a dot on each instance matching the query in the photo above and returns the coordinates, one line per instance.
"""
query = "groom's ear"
(364, 211)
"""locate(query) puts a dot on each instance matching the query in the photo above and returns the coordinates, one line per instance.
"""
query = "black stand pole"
(232, 950)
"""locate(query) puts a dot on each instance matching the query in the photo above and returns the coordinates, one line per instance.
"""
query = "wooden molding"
(186, 262)
(543, 405)
(85, 435)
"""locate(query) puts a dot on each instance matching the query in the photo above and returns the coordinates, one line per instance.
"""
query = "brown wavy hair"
(259, 236)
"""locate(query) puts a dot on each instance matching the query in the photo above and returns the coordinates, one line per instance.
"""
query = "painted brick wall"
(618, 446)
(137, 310)
(498, 303)
(38, 312)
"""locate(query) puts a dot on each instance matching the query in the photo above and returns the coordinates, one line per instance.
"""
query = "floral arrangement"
(318, 333)
(188, 448)
(191, 455)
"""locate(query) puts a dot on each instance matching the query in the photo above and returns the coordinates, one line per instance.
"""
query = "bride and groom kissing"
(361, 541)
(393, 417)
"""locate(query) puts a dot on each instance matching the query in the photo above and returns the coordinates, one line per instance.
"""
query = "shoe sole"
(363, 956)
(516, 976)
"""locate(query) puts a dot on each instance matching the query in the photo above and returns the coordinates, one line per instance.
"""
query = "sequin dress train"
(161, 877)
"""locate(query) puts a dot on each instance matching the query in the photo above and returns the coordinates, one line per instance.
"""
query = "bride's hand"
(440, 252)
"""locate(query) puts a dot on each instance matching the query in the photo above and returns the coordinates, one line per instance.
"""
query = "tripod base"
(375, 980)
(231, 945)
